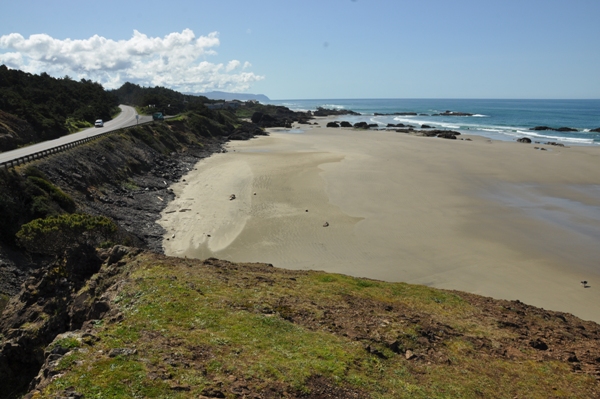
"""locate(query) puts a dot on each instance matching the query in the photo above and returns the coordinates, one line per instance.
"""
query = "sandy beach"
(500, 219)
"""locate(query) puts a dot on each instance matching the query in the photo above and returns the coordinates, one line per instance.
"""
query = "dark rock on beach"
(524, 140)
(361, 125)
(345, 124)
(447, 135)
(246, 131)
(332, 124)
(560, 129)
(597, 130)
(396, 113)
(265, 120)
(453, 113)
(398, 125)
(332, 112)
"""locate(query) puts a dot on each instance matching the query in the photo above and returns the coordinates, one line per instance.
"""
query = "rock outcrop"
(560, 129)
(333, 112)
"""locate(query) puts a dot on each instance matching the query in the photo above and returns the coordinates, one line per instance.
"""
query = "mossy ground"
(215, 328)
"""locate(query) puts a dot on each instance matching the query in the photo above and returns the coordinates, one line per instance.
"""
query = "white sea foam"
(374, 120)
(408, 119)
(480, 116)
(574, 140)
(332, 106)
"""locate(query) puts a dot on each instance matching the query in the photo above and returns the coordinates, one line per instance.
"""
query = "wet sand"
(499, 219)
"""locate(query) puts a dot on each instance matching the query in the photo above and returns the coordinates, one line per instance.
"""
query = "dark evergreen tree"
(47, 103)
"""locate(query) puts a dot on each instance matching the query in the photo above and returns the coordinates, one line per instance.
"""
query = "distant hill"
(221, 95)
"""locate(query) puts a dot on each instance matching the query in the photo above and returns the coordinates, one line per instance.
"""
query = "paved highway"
(126, 118)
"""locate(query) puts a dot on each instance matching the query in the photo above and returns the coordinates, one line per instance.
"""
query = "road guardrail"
(60, 148)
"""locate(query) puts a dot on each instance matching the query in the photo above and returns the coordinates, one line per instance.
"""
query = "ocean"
(505, 120)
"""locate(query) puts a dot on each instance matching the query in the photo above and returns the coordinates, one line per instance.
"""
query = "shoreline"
(493, 218)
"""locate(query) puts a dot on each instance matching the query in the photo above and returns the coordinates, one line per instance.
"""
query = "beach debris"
(307, 210)
(184, 210)
(325, 224)
(254, 193)
(160, 198)
(208, 235)
(173, 236)
(584, 283)
(409, 355)
(231, 197)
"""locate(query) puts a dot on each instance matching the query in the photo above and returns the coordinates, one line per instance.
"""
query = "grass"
(197, 328)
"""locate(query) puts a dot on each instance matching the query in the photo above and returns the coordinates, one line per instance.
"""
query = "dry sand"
(494, 218)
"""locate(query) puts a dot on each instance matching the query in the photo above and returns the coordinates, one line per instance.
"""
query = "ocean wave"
(492, 130)
(332, 106)
(480, 116)
(407, 119)
(557, 138)
(575, 140)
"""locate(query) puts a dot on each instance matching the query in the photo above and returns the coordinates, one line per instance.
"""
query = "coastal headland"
(501, 219)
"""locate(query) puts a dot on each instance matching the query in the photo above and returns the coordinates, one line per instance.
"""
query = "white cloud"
(233, 65)
(176, 60)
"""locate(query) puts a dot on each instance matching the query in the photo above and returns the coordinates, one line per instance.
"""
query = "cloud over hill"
(177, 61)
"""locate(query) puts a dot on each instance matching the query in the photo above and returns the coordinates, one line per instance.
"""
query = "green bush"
(56, 234)
(55, 193)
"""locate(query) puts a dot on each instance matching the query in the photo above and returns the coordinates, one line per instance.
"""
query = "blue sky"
(288, 49)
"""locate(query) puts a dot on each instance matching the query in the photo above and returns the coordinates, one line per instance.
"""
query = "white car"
(99, 123)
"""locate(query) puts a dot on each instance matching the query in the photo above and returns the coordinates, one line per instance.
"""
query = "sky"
(314, 49)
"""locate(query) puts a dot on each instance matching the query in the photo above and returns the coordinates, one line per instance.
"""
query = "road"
(126, 118)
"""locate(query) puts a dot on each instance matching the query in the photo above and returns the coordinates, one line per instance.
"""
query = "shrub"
(56, 234)
(55, 193)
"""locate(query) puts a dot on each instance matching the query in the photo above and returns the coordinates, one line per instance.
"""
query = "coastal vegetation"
(190, 328)
(56, 235)
(97, 314)
(28, 196)
(158, 99)
(53, 107)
